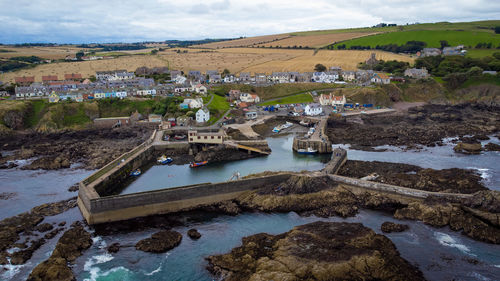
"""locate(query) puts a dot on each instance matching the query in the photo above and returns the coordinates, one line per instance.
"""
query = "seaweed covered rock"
(315, 251)
(160, 242)
(389, 227)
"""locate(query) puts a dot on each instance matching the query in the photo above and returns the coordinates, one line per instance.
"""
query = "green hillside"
(431, 37)
(482, 26)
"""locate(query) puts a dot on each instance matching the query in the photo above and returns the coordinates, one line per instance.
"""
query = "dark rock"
(8, 166)
(315, 251)
(7, 195)
(194, 234)
(53, 233)
(160, 242)
(492, 147)
(114, 248)
(74, 187)
(44, 227)
(70, 246)
(48, 163)
(62, 223)
(389, 227)
(468, 148)
(22, 256)
(299, 185)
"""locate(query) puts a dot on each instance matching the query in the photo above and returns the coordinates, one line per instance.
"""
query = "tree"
(475, 71)
(444, 43)
(319, 68)
(226, 72)
(497, 29)
(154, 51)
(79, 55)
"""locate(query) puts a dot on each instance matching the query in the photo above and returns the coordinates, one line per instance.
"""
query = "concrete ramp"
(245, 147)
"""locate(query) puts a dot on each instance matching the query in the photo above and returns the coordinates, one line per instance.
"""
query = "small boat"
(198, 164)
(276, 129)
(304, 123)
(179, 137)
(136, 173)
(164, 160)
(309, 150)
(166, 137)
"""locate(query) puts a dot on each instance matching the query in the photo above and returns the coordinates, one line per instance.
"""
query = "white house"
(331, 76)
(319, 77)
(194, 103)
(202, 115)
(249, 98)
(313, 109)
(200, 89)
(229, 79)
(325, 99)
(121, 94)
(380, 78)
(338, 100)
(151, 92)
(180, 79)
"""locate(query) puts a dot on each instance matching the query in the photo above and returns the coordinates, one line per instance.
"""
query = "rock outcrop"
(315, 251)
(468, 148)
(68, 248)
(194, 234)
(389, 227)
(492, 147)
(160, 242)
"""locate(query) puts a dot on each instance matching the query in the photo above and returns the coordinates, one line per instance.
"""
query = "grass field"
(275, 91)
(300, 98)
(481, 53)
(431, 37)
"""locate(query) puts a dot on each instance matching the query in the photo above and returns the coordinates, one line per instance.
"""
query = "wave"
(97, 260)
(95, 273)
(483, 172)
(446, 240)
(10, 270)
(154, 271)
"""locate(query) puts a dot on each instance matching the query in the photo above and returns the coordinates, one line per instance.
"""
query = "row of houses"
(446, 51)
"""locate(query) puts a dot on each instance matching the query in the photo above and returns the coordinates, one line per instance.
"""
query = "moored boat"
(309, 150)
(136, 173)
(198, 164)
(180, 137)
(164, 160)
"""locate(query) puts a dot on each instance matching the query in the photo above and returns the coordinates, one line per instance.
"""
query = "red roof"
(338, 98)
(72, 76)
(24, 79)
(64, 83)
(49, 78)
(243, 104)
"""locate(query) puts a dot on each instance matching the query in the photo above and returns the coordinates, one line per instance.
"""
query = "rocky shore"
(421, 126)
(315, 251)
(445, 180)
(92, 147)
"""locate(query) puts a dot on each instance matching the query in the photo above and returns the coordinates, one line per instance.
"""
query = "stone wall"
(322, 147)
(121, 207)
(339, 157)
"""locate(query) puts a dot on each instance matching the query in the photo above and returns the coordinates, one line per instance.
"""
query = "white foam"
(478, 276)
(497, 265)
(446, 240)
(154, 271)
(483, 172)
(94, 273)
(13, 250)
(9, 270)
(97, 260)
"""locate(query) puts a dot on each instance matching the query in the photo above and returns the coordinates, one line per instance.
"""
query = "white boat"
(309, 150)
(164, 160)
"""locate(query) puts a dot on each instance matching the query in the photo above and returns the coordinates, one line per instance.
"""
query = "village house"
(180, 80)
(212, 72)
(338, 100)
(112, 122)
(53, 97)
(430, 52)
(325, 99)
(174, 74)
(207, 137)
(49, 78)
(417, 73)
(279, 77)
(249, 98)
(72, 77)
(349, 76)
(195, 75)
(146, 92)
(4, 93)
(234, 94)
(229, 78)
(260, 78)
(331, 76)
(336, 68)
(114, 75)
(313, 109)
(155, 118)
(454, 51)
(200, 89)
(192, 103)
(319, 77)
(214, 78)
(202, 115)
(380, 78)
(24, 81)
(245, 77)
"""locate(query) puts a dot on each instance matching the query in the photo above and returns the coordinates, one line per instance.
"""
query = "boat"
(309, 150)
(304, 123)
(277, 129)
(164, 160)
(180, 137)
(198, 164)
(166, 138)
(136, 173)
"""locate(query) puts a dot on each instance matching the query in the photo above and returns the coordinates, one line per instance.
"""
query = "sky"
(101, 21)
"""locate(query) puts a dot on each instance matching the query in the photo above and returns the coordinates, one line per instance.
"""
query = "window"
(218, 137)
(212, 137)
(205, 137)
(190, 139)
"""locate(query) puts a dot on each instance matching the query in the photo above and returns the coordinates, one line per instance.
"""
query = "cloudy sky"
(86, 21)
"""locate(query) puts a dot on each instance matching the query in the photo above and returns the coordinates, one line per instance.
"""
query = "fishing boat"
(309, 150)
(136, 173)
(277, 129)
(198, 164)
(166, 137)
(180, 137)
(164, 160)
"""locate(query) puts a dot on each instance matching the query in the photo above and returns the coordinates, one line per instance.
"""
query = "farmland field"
(480, 53)
(431, 37)
(234, 59)
(244, 42)
(315, 41)
(43, 52)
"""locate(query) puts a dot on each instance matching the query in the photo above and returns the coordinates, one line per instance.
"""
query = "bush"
(319, 68)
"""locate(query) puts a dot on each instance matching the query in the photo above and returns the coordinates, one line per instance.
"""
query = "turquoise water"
(440, 253)
(281, 159)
